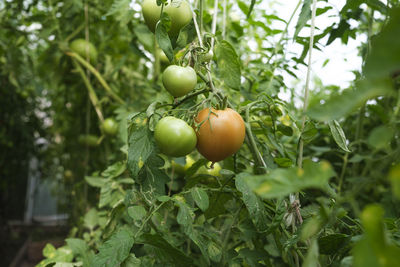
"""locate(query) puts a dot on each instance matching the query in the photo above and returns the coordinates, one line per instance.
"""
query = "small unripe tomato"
(82, 47)
(276, 110)
(210, 171)
(163, 57)
(174, 137)
(110, 126)
(179, 80)
(221, 133)
(267, 120)
(89, 140)
(68, 175)
(189, 162)
(178, 11)
(207, 57)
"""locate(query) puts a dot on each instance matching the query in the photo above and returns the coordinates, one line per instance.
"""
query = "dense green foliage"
(313, 188)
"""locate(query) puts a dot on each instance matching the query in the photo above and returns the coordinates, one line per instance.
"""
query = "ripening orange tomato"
(221, 134)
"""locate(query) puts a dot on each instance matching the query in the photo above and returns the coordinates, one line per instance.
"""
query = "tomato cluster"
(220, 134)
(217, 134)
(178, 11)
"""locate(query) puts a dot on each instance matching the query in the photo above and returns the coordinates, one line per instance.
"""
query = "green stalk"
(97, 75)
(92, 94)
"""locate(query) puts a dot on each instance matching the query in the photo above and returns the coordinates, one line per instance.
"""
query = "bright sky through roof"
(343, 58)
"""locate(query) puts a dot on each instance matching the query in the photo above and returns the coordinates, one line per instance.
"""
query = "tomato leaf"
(141, 146)
(305, 15)
(384, 58)
(338, 135)
(162, 36)
(151, 178)
(91, 219)
(229, 64)
(200, 197)
(168, 251)
(137, 212)
(115, 250)
(254, 205)
(131, 261)
(282, 182)
(80, 250)
(380, 137)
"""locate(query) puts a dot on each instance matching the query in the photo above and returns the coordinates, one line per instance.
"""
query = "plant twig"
(224, 19)
(92, 94)
(307, 85)
(97, 75)
(214, 24)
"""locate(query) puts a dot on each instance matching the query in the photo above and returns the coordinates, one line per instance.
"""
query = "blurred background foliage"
(46, 112)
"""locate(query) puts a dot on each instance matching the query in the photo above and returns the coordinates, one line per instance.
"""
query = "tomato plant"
(307, 172)
(174, 137)
(179, 13)
(179, 80)
(221, 133)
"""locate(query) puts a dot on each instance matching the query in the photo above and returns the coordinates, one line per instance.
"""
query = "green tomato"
(207, 57)
(179, 80)
(175, 137)
(179, 12)
(68, 175)
(267, 120)
(276, 110)
(189, 162)
(163, 57)
(110, 126)
(81, 46)
(181, 169)
(214, 171)
(89, 140)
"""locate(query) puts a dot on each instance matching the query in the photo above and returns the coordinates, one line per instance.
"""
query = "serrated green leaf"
(162, 36)
(177, 256)
(91, 219)
(152, 178)
(185, 215)
(131, 261)
(141, 145)
(229, 64)
(95, 181)
(115, 250)
(200, 197)
(254, 205)
(282, 182)
(137, 212)
(380, 137)
(310, 132)
(80, 250)
(283, 162)
(305, 15)
(114, 170)
(341, 105)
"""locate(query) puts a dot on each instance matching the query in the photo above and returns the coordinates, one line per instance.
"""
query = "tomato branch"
(97, 75)
(92, 94)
